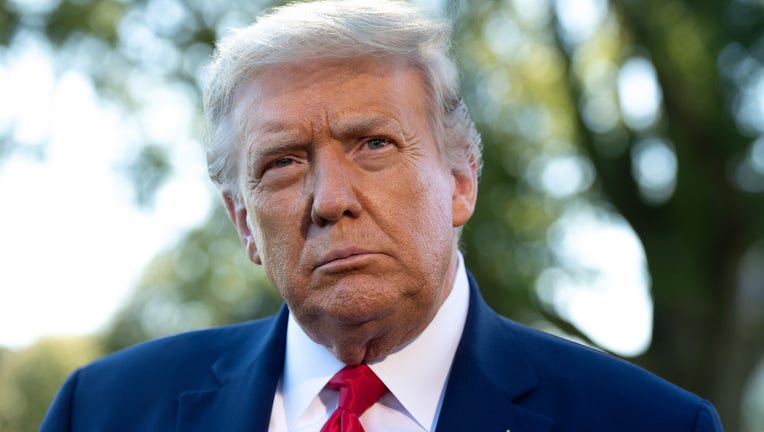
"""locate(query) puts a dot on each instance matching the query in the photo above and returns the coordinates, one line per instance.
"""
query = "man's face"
(346, 201)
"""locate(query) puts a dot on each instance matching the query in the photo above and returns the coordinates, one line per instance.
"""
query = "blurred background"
(621, 203)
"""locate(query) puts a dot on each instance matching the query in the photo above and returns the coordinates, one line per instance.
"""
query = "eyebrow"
(269, 138)
(272, 148)
(363, 124)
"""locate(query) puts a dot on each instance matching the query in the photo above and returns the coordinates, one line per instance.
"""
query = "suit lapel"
(488, 376)
(248, 379)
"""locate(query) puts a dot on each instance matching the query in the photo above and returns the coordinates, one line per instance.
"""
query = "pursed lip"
(341, 254)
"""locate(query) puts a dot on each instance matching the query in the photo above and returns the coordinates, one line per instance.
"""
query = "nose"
(334, 189)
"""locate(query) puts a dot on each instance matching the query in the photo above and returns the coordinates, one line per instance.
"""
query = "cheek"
(280, 262)
(434, 201)
(278, 234)
(426, 218)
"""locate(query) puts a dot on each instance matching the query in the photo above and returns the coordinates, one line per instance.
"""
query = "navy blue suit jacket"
(505, 377)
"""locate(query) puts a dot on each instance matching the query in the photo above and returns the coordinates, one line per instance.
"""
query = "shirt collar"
(415, 374)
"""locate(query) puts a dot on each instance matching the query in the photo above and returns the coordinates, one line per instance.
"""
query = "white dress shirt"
(415, 375)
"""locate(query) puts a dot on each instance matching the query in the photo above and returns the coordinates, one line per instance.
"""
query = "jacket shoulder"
(181, 353)
(138, 388)
(594, 388)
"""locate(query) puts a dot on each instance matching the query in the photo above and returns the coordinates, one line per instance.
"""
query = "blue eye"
(281, 163)
(376, 143)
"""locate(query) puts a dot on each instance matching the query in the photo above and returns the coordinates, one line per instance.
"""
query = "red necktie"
(359, 388)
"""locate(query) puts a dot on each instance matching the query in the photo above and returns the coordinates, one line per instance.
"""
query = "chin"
(358, 313)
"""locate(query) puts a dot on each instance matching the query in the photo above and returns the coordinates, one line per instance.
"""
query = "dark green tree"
(205, 280)
(702, 233)
(30, 378)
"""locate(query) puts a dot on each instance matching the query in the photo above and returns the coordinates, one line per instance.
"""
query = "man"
(348, 165)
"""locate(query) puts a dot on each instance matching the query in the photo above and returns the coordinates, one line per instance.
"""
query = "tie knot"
(359, 388)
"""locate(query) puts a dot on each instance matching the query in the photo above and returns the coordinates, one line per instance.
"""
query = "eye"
(281, 163)
(276, 164)
(376, 143)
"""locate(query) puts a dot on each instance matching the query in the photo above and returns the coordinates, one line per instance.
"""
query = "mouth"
(344, 259)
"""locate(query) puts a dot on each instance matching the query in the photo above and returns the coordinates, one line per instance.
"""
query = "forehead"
(305, 91)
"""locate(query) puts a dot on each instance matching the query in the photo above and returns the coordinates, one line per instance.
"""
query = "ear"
(465, 193)
(238, 214)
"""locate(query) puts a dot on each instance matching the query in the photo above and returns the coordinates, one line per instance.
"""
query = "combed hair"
(337, 30)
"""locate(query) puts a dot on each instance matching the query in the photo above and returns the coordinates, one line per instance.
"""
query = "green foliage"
(148, 171)
(520, 105)
(205, 280)
(30, 378)
(539, 93)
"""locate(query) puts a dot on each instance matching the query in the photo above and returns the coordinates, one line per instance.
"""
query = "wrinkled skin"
(346, 201)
